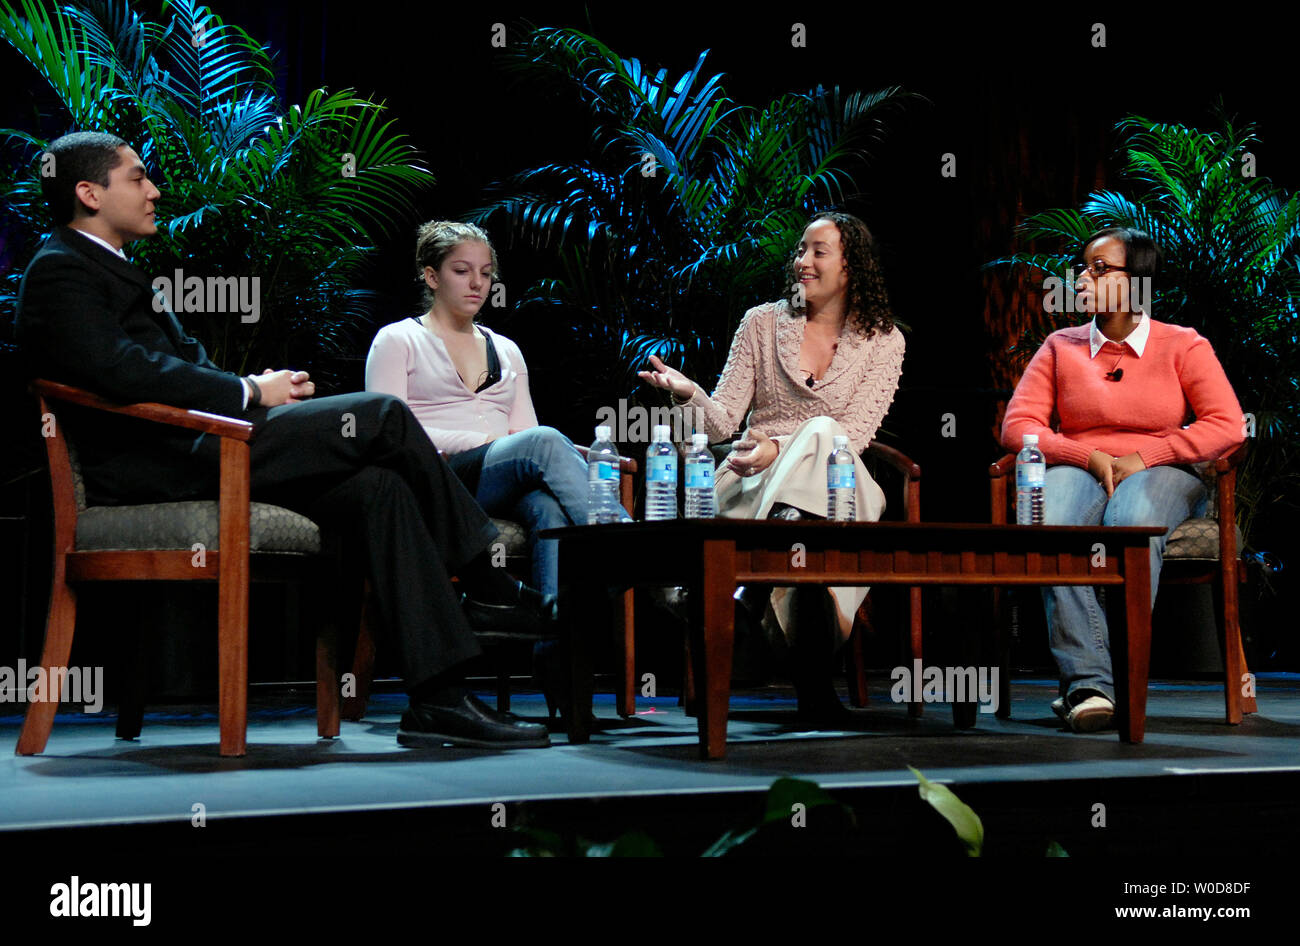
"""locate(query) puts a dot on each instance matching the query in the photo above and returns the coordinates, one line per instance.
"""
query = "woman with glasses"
(1137, 402)
(824, 363)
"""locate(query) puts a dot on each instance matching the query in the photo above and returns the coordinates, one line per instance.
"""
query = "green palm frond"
(1232, 270)
(294, 196)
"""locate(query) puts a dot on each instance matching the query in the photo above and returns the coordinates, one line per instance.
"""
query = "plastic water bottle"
(1031, 480)
(661, 476)
(841, 483)
(602, 480)
(699, 479)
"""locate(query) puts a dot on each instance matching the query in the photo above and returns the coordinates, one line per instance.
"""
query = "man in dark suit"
(359, 465)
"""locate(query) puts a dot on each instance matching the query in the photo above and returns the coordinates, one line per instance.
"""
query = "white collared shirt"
(102, 242)
(1136, 340)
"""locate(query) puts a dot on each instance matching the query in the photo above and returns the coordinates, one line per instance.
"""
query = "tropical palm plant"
(687, 207)
(294, 197)
(1232, 272)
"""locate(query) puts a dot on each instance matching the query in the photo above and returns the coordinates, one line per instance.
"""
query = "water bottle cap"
(699, 441)
(604, 432)
(841, 441)
(661, 432)
(1031, 440)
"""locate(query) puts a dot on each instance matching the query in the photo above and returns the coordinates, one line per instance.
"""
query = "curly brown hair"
(868, 301)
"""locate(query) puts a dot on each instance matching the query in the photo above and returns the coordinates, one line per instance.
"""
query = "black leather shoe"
(469, 723)
(512, 622)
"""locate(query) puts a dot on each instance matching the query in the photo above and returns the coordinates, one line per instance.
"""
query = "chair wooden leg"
(59, 628)
(130, 699)
(363, 662)
(855, 670)
(327, 682)
(625, 698)
(1230, 649)
(1248, 703)
(914, 644)
(232, 598)
(232, 663)
(688, 680)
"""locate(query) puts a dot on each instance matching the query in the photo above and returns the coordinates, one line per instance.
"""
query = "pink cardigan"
(762, 369)
(409, 361)
(1176, 378)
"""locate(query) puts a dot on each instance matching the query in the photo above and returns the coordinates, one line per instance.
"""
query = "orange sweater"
(1176, 379)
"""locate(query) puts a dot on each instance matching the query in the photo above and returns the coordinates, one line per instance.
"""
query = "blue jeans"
(1076, 623)
(537, 478)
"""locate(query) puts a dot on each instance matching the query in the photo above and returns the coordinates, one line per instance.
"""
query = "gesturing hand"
(284, 387)
(670, 379)
(754, 455)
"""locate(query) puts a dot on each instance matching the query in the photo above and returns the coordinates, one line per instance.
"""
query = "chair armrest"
(147, 410)
(911, 473)
(1003, 467)
(625, 464)
(895, 458)
(1233, 458)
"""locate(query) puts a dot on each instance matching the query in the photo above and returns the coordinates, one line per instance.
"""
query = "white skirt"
(798, 478)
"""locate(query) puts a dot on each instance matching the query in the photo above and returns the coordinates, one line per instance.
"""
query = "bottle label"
(604, 470)
(662, 470)
(841, 476)
(1029, 475)
(699, 475)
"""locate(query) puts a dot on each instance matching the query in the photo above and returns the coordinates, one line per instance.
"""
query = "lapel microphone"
(1115, 375)
(811, 381)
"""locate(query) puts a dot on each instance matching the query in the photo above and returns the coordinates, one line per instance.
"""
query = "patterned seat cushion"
(181, 525)
(515, 537)
(1196, 539)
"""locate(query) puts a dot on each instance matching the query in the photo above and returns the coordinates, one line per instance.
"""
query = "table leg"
(580, 606)
(714, 616)
(1130, 645)
(1002, 634)
(965, 710)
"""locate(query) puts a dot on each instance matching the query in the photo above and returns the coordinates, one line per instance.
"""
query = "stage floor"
(88, 778)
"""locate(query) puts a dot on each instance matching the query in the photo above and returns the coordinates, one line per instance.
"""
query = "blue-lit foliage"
(1232, 272)
(293, 195)
(686, 206)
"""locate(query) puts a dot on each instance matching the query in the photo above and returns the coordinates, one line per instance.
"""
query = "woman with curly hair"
(822, 364)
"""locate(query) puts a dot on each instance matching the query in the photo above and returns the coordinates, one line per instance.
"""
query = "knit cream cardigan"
(762, 372)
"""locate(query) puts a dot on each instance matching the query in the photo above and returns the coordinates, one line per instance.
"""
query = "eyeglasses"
(1097, 268)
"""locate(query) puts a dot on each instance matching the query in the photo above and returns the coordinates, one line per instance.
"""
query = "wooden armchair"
(518, 563)
(241, 541)
(1199, 551)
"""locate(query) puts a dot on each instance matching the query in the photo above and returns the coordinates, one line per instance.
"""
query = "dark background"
(1020, 97)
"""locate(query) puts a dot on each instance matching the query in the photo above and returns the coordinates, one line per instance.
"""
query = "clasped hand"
(284, 387)
(1111, 471)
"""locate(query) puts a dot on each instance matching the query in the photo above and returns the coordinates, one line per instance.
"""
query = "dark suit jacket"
(86, 317)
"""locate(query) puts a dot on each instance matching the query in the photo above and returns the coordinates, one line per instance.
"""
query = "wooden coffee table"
(711, 557)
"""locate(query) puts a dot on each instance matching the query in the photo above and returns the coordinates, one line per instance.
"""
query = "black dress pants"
(362, 467)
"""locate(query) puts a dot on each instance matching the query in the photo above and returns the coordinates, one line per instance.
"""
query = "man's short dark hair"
(1142, 256)
(80, 156)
